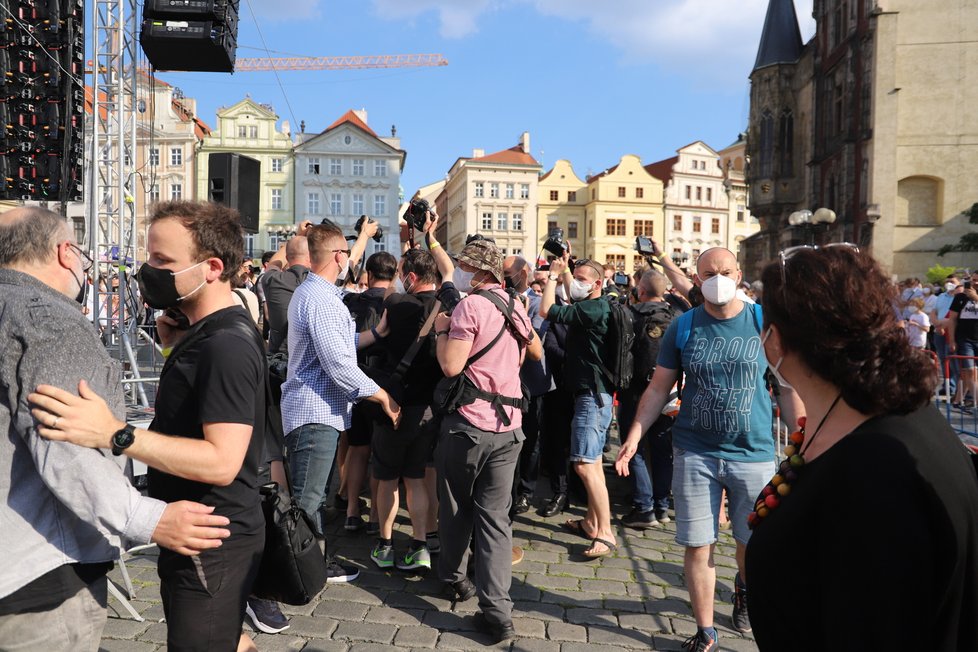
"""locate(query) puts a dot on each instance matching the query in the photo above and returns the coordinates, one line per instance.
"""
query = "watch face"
(123, 438)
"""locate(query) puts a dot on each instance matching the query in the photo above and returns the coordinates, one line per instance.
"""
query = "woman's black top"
(875, 548)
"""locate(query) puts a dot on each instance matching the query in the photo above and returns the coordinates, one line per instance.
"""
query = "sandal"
(610, 548)
(577, 527)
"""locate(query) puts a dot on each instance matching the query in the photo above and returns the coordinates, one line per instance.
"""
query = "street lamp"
(809, 221)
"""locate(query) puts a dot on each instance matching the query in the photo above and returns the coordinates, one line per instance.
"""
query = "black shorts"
(204, 596)
(403, 453)
(361, 424)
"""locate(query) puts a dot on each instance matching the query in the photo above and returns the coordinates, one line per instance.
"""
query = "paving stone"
(447, 621)
(572, 570)
(281, 643)
(416, 637)
(126, 628)
(603, 586)
(591, 617)
(552, 582)
(299, 610)
(684, 626)
(527, 566)
(464, 641)
(645, 622)
(588, 647)
(539, 610)
(351, 593)
(529, 627)
(319, 645)
(626, 638)
(368, 632)
(376, 647)
(341, 610)
(627, 605)
(156, 633)
(669, 607)
(419, 601)
(389, 616)
(113, 645)
(669, 643)
(549, 546)
(617, 574)
(574, 599)
(524, 591)
(535, 645)
(566, 632)
(312, 626)
(546, 557)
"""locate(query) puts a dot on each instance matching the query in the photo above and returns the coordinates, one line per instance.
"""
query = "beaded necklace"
(780, 485)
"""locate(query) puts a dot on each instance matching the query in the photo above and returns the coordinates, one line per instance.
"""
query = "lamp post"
(810, 222)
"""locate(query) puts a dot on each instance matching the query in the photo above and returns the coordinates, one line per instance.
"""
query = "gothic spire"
(781, 38)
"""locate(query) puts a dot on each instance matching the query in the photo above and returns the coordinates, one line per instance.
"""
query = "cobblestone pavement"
(635, 599)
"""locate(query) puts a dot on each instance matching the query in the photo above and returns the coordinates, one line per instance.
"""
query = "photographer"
(588, 319)
(409, 363)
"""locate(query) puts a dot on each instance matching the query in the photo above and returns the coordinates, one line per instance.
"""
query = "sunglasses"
(339, 251)
(790, 252)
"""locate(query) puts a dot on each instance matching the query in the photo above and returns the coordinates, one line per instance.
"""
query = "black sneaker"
(662, 516)
(499, 631)
(339, 574)
(741, 621)
(464, 589)
(701, 642)
(522, 504)
(639, 520)
(433, 542)
(373, 529)
(266, 616)
(353, 524)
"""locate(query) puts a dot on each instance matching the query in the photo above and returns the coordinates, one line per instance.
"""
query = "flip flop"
(577, 527)
(604, 553)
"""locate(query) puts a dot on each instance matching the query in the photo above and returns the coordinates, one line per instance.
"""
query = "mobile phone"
(967, 285)
(621, 278)
(176, 315)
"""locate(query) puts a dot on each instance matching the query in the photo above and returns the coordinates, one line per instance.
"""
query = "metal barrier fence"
(962, 418)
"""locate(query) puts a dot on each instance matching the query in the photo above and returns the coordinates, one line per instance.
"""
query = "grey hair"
(29, 236)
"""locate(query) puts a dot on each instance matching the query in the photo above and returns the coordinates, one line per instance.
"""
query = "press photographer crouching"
(409, 370)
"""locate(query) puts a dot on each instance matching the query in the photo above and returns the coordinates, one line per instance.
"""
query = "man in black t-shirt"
(962, 340)
(366, 309)
(279, 288)
(206, 440)
(404, 453)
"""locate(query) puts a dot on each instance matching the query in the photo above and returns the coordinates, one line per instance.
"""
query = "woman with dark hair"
(867, 537)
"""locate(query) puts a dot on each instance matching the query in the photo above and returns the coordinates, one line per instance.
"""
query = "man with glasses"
(65, 509)
(722, 437)
(323, 378)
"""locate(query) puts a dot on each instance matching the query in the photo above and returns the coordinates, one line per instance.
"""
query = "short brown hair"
(214, 228)
(319, 238)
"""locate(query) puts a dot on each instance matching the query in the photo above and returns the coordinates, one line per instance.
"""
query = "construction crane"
(260, 64)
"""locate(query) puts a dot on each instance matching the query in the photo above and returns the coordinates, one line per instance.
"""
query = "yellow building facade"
(561, 204)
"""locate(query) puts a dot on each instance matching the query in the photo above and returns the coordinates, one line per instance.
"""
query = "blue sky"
(589, 80)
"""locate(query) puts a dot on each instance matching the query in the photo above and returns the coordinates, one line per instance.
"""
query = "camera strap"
(405, 364)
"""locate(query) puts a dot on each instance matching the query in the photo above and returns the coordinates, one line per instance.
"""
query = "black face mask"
(158, 287)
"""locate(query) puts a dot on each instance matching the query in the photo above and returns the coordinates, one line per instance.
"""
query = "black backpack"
(650, 322)
(618, 363)
(366, 310)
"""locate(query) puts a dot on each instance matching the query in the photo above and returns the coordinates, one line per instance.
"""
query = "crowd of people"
(465, 378)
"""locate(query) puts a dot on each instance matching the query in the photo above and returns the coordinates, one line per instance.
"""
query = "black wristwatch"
(123, 439)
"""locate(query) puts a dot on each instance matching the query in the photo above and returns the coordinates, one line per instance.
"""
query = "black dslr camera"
(416, 214)
(554, 244)
(359, 227)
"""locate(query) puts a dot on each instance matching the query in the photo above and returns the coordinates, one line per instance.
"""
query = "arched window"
(786, 139)
(919, 201)
(765, 165)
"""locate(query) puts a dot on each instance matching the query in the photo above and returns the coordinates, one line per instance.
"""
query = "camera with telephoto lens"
(417, 213)
(644, 246)
(359, 227)
(554, 244)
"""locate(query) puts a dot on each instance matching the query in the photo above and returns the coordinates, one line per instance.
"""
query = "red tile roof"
(512, 156)
(662, 170)
(200, 127)
(351, 117)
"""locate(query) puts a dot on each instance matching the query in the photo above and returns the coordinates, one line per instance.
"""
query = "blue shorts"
(969, 349)
(697, 483)
(589, 428)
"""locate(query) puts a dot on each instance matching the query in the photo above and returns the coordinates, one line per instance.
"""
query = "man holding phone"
(962, 340)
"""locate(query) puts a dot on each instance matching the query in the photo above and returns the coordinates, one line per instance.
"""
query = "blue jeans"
(648, 491)
(940, 347)
(589, 429)
(311, 451)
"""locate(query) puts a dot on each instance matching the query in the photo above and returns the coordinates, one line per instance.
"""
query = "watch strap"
(123, 439)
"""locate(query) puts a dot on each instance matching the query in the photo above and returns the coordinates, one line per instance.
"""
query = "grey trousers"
(475, 484)
(74, 625)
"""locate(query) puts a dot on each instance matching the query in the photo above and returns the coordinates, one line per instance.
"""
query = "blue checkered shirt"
(324, 380)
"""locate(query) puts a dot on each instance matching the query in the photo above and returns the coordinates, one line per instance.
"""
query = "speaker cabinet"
(235, 181)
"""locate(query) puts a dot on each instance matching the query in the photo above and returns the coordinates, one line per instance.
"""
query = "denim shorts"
(968, 349)
(589, 428)
(697, 483)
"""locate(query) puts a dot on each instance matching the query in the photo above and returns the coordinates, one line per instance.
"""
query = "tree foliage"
(967, 242)
(938, 273)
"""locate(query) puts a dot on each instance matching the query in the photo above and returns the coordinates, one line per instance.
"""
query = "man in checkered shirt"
(323, 378)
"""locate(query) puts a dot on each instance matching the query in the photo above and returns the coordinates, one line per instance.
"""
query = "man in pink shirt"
(485, 338)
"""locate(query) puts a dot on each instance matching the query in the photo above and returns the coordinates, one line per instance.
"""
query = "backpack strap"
(408, 359)
(683, 330)
(508, 311)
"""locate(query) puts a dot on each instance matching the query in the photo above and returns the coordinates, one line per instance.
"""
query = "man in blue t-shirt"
(723, 435)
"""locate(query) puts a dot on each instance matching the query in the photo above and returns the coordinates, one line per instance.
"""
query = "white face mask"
(777, 365)
(462, 279)
(344, 271)
(949, 287)
(399, 286)
(580, 290)
(719, 290)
